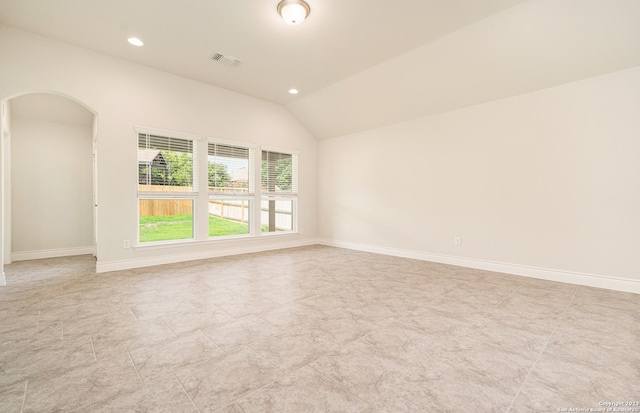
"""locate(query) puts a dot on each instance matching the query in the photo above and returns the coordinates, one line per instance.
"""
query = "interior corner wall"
(5, 127)
(548, 180)
(51, 186)
(124, 95)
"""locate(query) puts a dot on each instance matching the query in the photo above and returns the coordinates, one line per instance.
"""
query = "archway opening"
(49, 155)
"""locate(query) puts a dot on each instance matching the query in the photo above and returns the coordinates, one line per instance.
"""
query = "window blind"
(230, 169)
(166, 143)
(279, 173)
(166, 163)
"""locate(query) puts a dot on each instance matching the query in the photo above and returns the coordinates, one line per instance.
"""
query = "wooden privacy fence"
(161, 207)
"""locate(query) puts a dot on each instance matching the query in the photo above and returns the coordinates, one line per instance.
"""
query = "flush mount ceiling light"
(294, 91)
(135, 41)
(293, 11)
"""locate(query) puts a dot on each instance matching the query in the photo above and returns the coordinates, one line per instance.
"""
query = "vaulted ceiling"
(358, 64)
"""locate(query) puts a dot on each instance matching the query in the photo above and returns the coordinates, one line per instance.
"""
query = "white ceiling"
(359, 64)
(531, 46)
(340, 37)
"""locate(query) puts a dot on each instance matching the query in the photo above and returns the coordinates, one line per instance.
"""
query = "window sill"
(211, 241)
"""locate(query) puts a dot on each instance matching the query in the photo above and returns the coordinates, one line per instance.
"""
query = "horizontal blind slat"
(230, 170)
(166, 161)
(279, 172)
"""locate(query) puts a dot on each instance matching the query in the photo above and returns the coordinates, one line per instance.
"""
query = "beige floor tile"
(161, 359)
(221, 281)
(162, 395)
(294, 348)
(78, 307)
(232, 408)
(238, 305)
(121, 338)
(378, 312)
(148, 311)
(292, 315)
(341, 329)
(256, 287)
(303, 391)
(589, 296)
(205, 299)
(499, 363)
(96, 324)
(452, 386)
(605, 323)
(134, 297)
(240, 331)
(609, 352)
(12, 397)
(583, 381)
(354, 331)
(527, 339)
(434, 321)
(392, 404)
(48, 359)
(377, 363)
(217, 383)
(14, 322)
(335, 301)
(80, 387)
(184, 323)
(530, 310)
(535, 398)
(13, 327)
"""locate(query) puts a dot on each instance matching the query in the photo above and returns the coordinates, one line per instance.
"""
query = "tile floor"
(313, 329)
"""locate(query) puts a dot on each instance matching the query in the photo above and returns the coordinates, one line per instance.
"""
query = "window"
(167, 186)
(279, 179)
(230, 172)
(244, 196)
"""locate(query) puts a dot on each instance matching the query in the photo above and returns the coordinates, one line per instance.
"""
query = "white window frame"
(251, 196)
(293, 196)
(200, 198)
(193, 195)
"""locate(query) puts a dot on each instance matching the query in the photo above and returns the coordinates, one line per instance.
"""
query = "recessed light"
(135, 41)
(294, 91)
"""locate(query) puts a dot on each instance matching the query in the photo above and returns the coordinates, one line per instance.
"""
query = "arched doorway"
(49, 186)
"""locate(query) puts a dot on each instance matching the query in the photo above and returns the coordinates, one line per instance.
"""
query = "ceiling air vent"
(226, 59)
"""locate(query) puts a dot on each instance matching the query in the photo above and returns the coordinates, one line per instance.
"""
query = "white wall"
(549, 179)
(51, 185)
(125, 95)
(5, 127)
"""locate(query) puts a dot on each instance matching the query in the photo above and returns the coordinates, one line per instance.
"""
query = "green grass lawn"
(172, 227)
(220, 226)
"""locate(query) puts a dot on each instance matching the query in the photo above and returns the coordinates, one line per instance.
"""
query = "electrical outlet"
(457, 241)
(125, 243)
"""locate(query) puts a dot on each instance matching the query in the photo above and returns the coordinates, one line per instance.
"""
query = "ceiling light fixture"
(135, 41)
(293, 11)
(294, 91)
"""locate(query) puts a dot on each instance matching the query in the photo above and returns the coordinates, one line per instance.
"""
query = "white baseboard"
(591, 280)
(52, 253)
(3, 280)
(172, 258)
